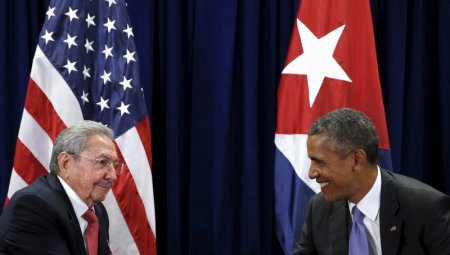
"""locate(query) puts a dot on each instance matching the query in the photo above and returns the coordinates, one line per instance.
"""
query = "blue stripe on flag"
(292, 197)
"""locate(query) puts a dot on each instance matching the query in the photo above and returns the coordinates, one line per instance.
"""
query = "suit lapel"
(103, 247)
(338, 221)
(390, 225)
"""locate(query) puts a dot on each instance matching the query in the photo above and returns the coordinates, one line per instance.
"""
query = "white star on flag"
(129, 56)
(123, 108)
(70, 41)
(90, 20)
(86, 72)
(317, 61)
(103, 103)
(84, 97)
(126, 83)
(110, 25)
(70, 66)
(50, 12)
(72, 14)
(107, 51)
(47, 37)
(111, 2)
(105, 77)
(128, 31)
(88, 46)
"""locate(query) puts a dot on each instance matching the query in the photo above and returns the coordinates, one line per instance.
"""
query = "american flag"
(86, 67)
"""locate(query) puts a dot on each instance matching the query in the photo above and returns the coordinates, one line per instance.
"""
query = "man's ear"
(63, 163)
(360, 160)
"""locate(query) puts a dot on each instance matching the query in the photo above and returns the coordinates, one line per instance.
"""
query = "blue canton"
(90, 43)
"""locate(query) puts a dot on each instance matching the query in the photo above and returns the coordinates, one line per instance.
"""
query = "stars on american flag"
(129, 31)
(111, 2)
(126, 83)
(103, 103)
(72, 14)
(84, 97)
(50, 12)
(47, 37)
(90, 20)
(106, 77)
(110, 25)
(100, 69)
(129, 56)
(123, 108)
(86, 72)
(70, 66)
(107, 51)
(88, 46)
(70, 40)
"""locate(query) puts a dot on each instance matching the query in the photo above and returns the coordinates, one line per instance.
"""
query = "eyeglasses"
(103, 163)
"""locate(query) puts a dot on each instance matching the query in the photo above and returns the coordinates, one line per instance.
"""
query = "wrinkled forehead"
(101, 144)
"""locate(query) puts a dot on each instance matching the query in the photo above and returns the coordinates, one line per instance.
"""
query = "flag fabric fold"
(86, 67)
(331, 63)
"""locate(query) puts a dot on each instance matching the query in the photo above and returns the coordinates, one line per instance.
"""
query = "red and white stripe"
(50, 107)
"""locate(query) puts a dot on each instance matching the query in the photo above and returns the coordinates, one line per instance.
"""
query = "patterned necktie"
(91, 231)
(358, 244)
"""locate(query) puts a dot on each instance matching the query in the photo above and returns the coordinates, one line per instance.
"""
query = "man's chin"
(99, 195)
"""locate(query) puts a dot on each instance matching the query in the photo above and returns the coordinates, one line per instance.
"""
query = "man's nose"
(313, 172)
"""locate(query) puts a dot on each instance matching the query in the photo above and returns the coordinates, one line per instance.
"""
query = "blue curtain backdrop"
(210, 72)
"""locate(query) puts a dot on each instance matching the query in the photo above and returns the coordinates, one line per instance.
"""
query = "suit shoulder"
(408, 186)
(411, 192)
(38, 189)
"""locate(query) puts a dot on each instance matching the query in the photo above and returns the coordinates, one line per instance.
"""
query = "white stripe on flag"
(120, 239)
(134, 154)
(35, 139)
(294, 149)
(55, 88)
(15, 183)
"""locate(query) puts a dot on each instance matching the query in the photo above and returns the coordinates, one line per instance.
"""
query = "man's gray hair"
(347, 130)
(74, 140)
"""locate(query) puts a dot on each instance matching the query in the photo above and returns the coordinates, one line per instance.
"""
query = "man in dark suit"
(50, 215)
(400, 215)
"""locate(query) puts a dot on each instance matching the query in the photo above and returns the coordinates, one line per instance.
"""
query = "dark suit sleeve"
(305, 245)
(436, 236)
(30, 227)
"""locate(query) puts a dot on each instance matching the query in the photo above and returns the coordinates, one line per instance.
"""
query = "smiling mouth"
(104, 185)
(323, 184)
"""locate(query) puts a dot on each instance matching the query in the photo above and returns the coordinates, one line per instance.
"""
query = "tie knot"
(90, 216)
(357, 214)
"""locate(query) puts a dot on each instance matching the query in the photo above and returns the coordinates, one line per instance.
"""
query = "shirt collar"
(78, 205)
(370, 203)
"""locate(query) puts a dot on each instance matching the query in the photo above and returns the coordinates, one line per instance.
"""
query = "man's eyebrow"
(316, 160)
(104, 156)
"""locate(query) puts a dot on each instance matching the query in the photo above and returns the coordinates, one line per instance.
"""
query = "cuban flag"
(331, 63)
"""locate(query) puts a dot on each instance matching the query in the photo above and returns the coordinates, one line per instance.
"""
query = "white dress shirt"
(370, 207)
(78, 205)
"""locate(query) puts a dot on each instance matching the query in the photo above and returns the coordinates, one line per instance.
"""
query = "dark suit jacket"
(414, 219)
(40, 219)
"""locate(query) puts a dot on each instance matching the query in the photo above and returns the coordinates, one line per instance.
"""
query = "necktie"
(358, 244)
(91, 231)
